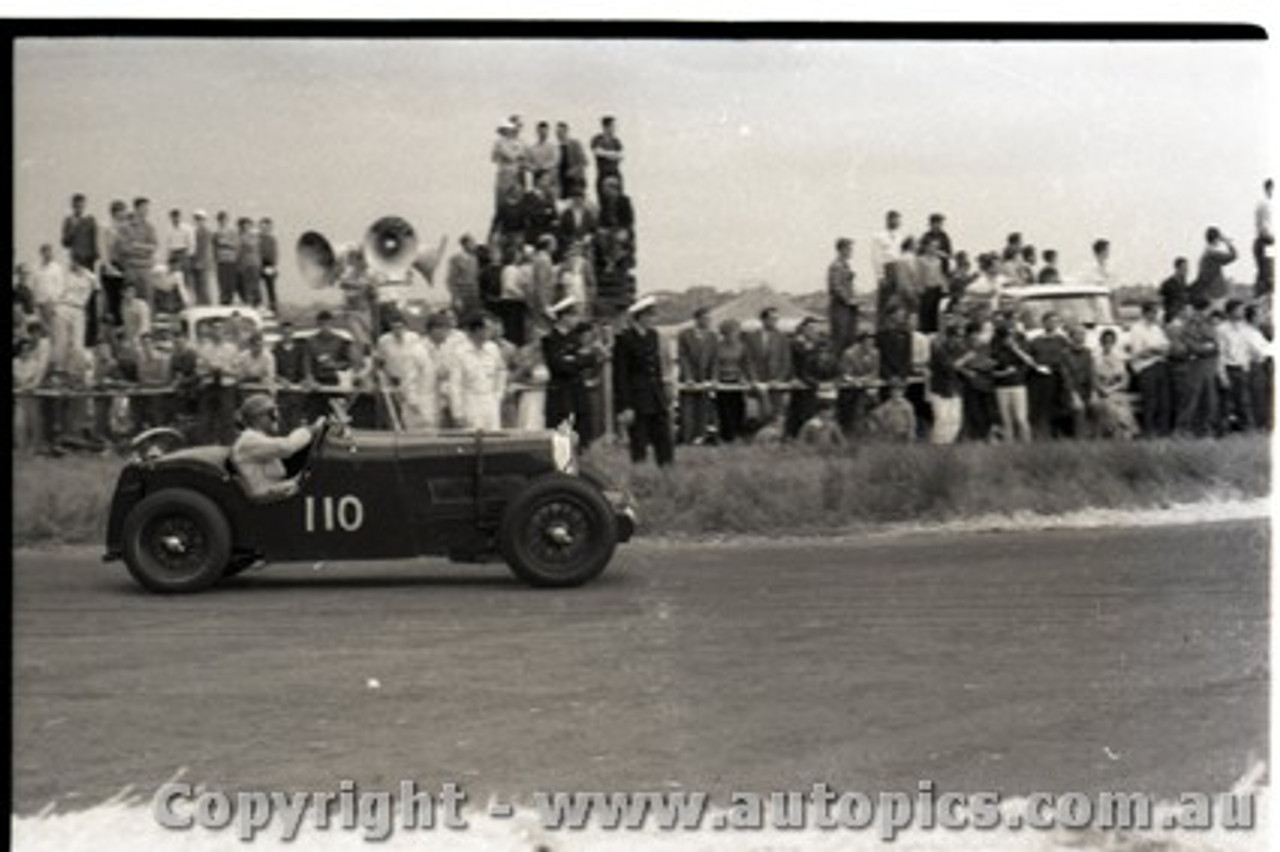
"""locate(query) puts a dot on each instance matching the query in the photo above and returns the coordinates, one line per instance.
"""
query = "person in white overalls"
(409, 363)
(477, 378)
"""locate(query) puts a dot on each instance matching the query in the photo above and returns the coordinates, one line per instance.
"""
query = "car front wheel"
(559, 531)
(176, 541)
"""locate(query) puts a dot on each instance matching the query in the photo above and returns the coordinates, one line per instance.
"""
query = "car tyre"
(177, 541)
(559, 531)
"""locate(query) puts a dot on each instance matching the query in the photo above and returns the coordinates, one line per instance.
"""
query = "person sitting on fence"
(1079, 383)
(258, 453)
(255, 365)
(155, 371)
(30, 363)
(216, 366)
(895, 418)
(1112, 414)
(732, 373)
(860, 372)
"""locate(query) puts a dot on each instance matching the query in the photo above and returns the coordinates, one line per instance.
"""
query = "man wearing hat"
(568, 360)
(258, 453)
(640, 392)
(509, 157)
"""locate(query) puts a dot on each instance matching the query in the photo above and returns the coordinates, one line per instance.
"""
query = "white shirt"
(1260, 348)
(886, 247)
(414, 362)
(510, 279)
(1098, 273)
(1262, 218)
(477, 380)
(1238, 345)
(47, 283)
(77, 286)
(258, 457)
(1148, 343)
(223, 356)
(181, 238)
(260, 368)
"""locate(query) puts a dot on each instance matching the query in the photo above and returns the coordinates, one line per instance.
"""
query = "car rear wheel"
(176, 541)
(559, 531)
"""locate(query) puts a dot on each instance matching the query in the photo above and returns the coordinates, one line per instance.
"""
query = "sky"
(745, 160)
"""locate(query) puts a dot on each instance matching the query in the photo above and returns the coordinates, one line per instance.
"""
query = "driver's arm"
(257, 447)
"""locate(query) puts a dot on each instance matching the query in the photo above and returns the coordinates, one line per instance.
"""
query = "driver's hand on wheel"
(318, 424)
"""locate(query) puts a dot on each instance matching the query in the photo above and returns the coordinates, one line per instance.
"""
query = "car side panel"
(351, 506)
(459, 485)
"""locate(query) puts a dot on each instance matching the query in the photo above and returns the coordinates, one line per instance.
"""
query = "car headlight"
(563, 451)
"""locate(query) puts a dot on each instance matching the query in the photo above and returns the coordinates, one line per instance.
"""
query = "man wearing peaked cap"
(569, 359)
(640, 392)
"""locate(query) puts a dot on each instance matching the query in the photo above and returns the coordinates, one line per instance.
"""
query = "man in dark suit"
(769, 361)
(80, 235)
(573, 162)
(842, 310)
(696, 351)
(568, 361)
(641, 398)
(578, 224)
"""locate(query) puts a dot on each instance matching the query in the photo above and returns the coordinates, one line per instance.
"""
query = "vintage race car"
(182, 519)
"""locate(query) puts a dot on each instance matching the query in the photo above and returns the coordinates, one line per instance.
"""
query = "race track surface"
(1129, 659)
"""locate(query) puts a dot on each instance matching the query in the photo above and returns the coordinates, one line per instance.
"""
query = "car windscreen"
(1086, 309)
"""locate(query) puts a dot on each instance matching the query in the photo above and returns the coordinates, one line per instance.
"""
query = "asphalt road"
(1131, 659)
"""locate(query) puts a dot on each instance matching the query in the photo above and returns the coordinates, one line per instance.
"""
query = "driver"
(259, 452)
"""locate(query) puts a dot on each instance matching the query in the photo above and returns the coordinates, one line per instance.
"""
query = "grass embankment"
(790, 490)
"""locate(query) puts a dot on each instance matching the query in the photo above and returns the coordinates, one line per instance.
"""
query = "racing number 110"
(346, 513)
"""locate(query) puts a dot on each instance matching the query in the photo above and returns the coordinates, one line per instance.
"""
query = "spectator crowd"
(943, 350)
(936, 348)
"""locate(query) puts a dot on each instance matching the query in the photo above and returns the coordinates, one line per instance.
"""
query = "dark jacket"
(637, 373)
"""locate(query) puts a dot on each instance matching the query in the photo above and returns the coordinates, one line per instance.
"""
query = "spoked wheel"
(559, 531)
(176, 541)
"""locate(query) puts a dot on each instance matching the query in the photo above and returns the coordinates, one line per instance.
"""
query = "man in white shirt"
(477, 378)
(1264, 242)
(217, 361)
(408, 362)
(544, 156)
(180, 245)
(1237, 352)
(1150, 347)
(1099, 271)
(135, 315)
(886, 246)
(259, 453)
(47, 284)
(255, 365)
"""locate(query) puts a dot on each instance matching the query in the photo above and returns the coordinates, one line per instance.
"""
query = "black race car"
(181, 519)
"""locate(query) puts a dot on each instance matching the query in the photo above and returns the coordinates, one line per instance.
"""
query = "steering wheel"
(313, 450)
